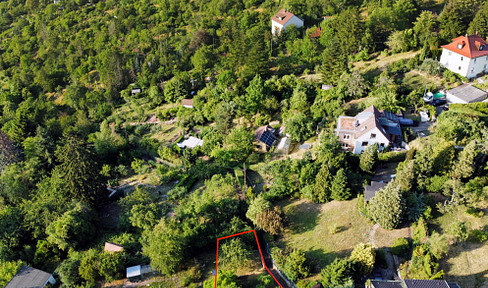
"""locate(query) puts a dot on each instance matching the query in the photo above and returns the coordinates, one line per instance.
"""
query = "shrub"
(436, 184)
(459, 230)
(437, 245)
(364, 255)
(334, 228)
(401, 247)
(475, 212)
(420, 231)
(295, 266)
(392, 156)
(339, 272)
(478, 236)
(177, 193)
(234, 254)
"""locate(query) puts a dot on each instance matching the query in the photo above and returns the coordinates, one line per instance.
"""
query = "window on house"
(449, 53)
(373, 135)
(364, 143)
(474, 60)
(462, 58)
(459, 68)
(344, 145)
(347, 136)
(382, 145)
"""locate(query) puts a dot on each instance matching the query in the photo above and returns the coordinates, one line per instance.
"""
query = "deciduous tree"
(73, 229)
(270, 220)
(257, 206)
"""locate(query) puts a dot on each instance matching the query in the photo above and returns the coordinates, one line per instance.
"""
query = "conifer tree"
(386, 207)
(322, 190)
(368, 158)
(465, 166)
(339, 189)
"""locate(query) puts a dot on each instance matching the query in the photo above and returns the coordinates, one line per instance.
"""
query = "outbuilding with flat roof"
(465, 94)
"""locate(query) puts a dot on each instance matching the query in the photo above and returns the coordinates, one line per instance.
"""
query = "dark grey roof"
(29, 277)
(468, 93)
(370, 190)
(395, 129)
(410, 283)
(386, 284)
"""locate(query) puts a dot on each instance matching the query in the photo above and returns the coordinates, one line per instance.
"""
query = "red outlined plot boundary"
(260, 253)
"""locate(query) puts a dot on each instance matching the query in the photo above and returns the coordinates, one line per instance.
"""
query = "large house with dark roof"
(368, 127)
(466, 55)
(283, 19)
(411, 283)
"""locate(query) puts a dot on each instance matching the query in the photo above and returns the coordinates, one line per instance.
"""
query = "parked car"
(439, 102)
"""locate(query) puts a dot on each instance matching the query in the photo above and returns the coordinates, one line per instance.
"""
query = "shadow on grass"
(319, 259)
(470, 281)
(303, 216)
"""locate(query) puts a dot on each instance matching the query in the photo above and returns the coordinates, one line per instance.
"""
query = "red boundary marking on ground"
(259, 247)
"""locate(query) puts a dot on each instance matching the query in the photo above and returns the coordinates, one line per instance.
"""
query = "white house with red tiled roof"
(466, 55)
(283, 19)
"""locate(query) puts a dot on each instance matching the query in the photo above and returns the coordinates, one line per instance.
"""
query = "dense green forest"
(71, 126)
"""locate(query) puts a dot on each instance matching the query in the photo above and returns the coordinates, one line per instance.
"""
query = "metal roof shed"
(134, 271)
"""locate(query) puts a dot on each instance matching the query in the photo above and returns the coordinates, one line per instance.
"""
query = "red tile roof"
(282, 16)
(111, 247)
(471, 46)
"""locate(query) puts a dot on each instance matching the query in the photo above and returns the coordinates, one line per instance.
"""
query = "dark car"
(438, 102)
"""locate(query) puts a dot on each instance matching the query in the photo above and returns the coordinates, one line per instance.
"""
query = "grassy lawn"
(311, 225)
(381, 62)
(166, 134)
(415, 80)
(311, 229)
(466, 262)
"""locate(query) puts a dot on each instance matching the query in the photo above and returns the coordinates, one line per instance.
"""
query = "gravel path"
(371, 234)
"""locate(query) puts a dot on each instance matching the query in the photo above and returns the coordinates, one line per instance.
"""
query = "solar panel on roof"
(267, 138)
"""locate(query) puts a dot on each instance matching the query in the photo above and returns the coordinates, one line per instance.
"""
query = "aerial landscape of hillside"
(244, 143)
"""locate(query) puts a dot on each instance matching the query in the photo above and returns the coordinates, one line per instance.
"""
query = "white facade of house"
(276, 27)
(455, 62)
(466, 55)
(372, 137)
(463, 65)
